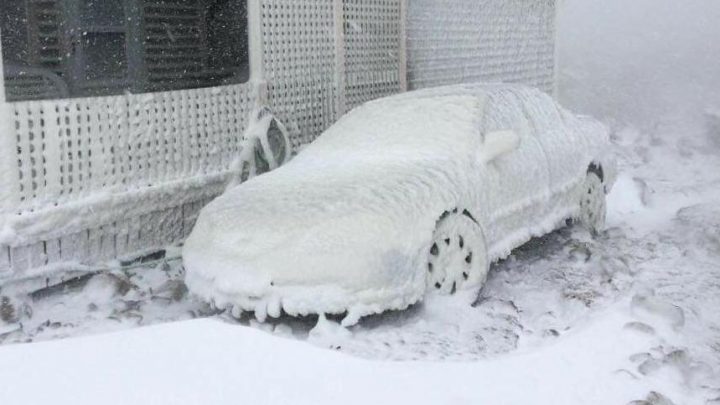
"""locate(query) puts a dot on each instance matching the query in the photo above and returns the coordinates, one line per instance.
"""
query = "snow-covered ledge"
(8, 172)
(8, 169)
(107, 208)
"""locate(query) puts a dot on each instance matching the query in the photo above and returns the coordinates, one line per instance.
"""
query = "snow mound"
(626, 196)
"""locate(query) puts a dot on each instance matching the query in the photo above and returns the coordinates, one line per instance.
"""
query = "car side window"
(505, 112)
(542, 112)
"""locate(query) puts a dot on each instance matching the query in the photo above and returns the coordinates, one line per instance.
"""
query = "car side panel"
(517, 182)
(566, 150)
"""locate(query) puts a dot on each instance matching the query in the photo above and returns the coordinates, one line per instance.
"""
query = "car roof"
(480, 90)
(428, 120)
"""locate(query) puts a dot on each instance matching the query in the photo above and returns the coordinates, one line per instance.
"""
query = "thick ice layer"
(346, 225)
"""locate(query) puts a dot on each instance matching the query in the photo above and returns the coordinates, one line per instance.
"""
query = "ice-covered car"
(409, 194)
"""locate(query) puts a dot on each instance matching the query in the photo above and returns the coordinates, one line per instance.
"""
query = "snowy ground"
(632, 314)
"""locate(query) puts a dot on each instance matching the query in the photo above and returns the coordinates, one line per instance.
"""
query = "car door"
(518, 181)
(564, 149)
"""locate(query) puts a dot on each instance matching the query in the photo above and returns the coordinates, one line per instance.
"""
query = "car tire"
(593, 206)
(457, 258)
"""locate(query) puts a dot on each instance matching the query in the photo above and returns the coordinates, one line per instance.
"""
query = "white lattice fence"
(374, 49)
(300, 65)
(455, 41)
(72, 149)
(99, 178)
(328, 57)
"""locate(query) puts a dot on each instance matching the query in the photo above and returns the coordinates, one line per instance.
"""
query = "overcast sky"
(646, 61)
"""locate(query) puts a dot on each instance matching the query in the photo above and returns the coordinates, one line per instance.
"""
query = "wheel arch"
(606, 169)
(473, 217)
(441, 279)
(466, 212)
(597, 168)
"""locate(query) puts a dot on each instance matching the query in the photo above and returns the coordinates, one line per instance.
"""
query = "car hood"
(287, 228)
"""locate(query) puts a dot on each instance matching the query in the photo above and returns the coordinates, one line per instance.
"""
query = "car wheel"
(457, 258)
(592, 203)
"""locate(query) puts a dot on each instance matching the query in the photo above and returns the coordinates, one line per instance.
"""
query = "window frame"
(253, 71)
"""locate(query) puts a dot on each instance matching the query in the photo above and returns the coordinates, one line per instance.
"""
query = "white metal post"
(403, 57)
(255, 52)
(556, 54)
(340, 74)
(8, 159)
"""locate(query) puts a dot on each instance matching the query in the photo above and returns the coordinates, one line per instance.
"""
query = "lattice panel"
(70, 149)
(454, 41)
(373, 34)
(299, 61)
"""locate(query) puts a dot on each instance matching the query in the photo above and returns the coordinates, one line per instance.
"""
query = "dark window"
(79, 48)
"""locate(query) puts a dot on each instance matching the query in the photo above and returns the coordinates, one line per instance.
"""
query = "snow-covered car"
(405, 195)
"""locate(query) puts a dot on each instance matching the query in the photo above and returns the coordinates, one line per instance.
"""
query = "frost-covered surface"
(347, 225)
(463, 41)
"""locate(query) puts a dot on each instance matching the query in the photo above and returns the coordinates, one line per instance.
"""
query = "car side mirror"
(499, 143)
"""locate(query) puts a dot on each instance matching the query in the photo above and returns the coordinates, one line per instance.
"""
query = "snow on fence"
(374, 51)
(456, 41)
(299, 54)
(85, 180)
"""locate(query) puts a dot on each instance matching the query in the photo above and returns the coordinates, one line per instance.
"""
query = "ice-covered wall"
(456, 41)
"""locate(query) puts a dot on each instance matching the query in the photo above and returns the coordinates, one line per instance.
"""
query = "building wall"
(459, 41)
